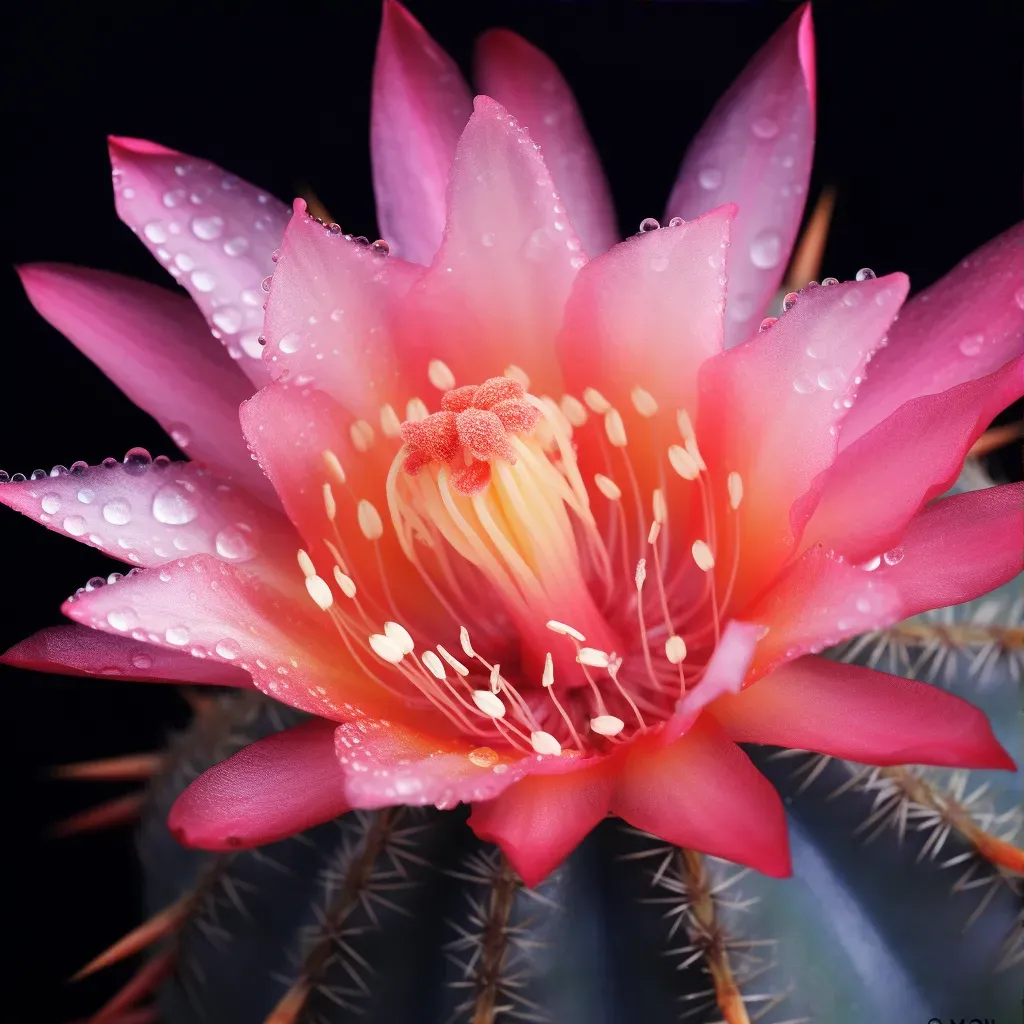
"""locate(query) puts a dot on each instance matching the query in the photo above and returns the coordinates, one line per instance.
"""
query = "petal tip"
(123, 144)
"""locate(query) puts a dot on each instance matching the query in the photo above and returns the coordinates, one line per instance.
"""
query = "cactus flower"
(551, 524)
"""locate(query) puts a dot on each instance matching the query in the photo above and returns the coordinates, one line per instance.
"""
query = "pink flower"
(560, 549)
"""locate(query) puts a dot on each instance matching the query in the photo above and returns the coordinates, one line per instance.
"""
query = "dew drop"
(171, 505)
(75, 525)
(649, 224)
(117, 512)
(710, 178)
(250, 342)
(381, 248)
(764, 128)
(136, 461)
(805, 384)
(86, 497)
(235, 543)
(177, 635)
(865, 274)
(893, 557)
(207, 228)
(971, 344)
(872, 564)
(766, 323)
(51, 503)
(142, 661)
(228, 319)
(676, 222)
(827, 282)
(228, 650)
(289, 343)
(123, 619)
(203, 281)
(831, 378)
(766, 249)
(184, 262)
(789, 301)
(484, 757)
(265, 283)
(155, 232)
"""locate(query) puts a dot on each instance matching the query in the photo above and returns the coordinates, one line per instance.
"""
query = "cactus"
(905, 902)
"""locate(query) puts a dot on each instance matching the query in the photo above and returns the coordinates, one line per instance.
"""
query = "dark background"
(919, 129)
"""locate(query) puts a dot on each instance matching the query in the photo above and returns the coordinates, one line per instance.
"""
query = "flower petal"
(819, 601)
(212, 231)
(726, 670)
(148, 514)
(965, 326)
(77, 651)
(860, 714)
(420, 106)
(755, 150)
(648, 313)
(879, 482)
(155, 347)
(528, 84)
(957, 549)
(269, 790)
(497, 287)
(769, 411)
(703, 793)
(540, 820)
(329, 316)
(218, 611)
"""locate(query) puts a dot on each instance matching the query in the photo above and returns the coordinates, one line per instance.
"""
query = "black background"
(919, 129)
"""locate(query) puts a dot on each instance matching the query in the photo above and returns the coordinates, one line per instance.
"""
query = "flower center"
(587, 612)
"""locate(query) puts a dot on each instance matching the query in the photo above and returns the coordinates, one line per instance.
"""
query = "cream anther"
(453, 661)
(659, 506)
(675, 649)
(489, 704)
(333, 466)
(735, 484)
(593, 657)
(545, 743)
(390, 424)
(467, 647)
(519, 374)
(386, 648)
(595, 401)
(607, 725)
(703, 555)
(608, 487)
(362, 435)
(416, 410)
(573, 410)
(683, 462)
(400, 636)
(615, 429)
(548, 677)
(433, 664)
(330, 505)
(560, 627)
(345, 583)
(641, 573)
(305, 563)
(370, 523)
(440, 375)
(644, 402)
(320, 592)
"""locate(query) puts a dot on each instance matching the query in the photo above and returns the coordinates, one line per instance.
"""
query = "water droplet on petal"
(136, 461)
(766, 249)
(764, 128)
(676, 222)
(789, 301)
(649, 224)
(289, 343)
(171, 505)
(831, 379)
(827, 282)
(51, 503)
(235, 543)
(117, 512)
(86, 497)
(142, 661)
(893, 557)
(123, 619)
(381, 248)
(710, 178)
(155, 232)
(228, 319)
(203, 281)
(805, 384)
(75, 525)
(177, 635)
(865, 274)
(971, 344)
(228, 650)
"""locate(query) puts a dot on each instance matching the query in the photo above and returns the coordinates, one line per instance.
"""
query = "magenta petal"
(957, 549)
(965, 326)
(497, 287)
(770, 409)
(879, 482)
(540, 820)
(755, 150)
(150, 514)
(420, 106)
(77, 651)
(329, 296)
(727, 668)
(208, 607)
(212, 231)
(155, 347)
(271, 789)
(528, 84)
(703, 792)
(863, 715)
(649, 312)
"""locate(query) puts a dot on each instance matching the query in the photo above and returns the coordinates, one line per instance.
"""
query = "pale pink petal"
(878, 483)
(150, 513)
(819, 601)
(155, 347)
(957, 549)
(269, 790)
(330, 313)
(648, 313)
(496, 289)
(216, 610)
(213, 232)
(857, 713)
(703, 793)
(540, 820)
(77, 651)
(769, 410)
(755, 150)
(965, 326)
(528, 84)
(727, 668)
(387, 763)
(420, 106)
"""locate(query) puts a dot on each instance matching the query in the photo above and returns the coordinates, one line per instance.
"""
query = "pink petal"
(77, 651)
(388, 763)
(727, 668)
(329, 316)
(965, 326)
(420, 106)
(703, 793)
(755, 150)
(863, 715)
(819, 601)
(879, 482)
(957, 549)
(495, 292)
(150, 514)
(218, 611)
(269, 790)
(528, 84)
(769, 411)
(155, 347)
(540, 820)
(648, 313)
(212, 231)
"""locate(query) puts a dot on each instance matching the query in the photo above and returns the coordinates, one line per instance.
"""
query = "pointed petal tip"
(806, 52)
(140, 147)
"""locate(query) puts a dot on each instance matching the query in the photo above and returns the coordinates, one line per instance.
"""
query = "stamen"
(416, 410)
(400, 636)
(362, 435)
(320, 592)
(433, 664)
(453, 661)
(333, 466)
(615, 429)
(345, 583)
(495, 678)
(683, 462)
(370, 523)
(489, 704)
(305, 563)
(675, 649)
(593, 657)
(548, 682)
(613, 671)
(519, 374)
(386, 648)
(573, 410)
(467, 647)
(440, 375)
(545, 743)
(703, 555)
(607, 725)
(644, 402)
(562, 629)
(659, 506)
(330, 505)
(608, 487)
(390, 424)
(595, 401)
(735, 484)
